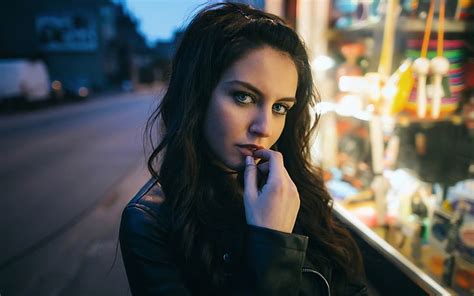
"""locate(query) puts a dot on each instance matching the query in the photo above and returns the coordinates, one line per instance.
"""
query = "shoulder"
(149, 198)
(145, 214)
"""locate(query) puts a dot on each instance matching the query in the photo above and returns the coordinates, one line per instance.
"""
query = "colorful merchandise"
(396, 90)
(453, 84)
(463, 276)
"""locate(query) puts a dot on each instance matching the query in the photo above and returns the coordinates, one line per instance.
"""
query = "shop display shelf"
(386, 267)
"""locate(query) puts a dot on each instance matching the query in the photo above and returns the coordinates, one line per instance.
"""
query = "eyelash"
(286, 108)
(238, 94)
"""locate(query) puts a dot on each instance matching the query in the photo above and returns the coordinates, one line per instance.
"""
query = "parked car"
(24, 80)
(72, 88)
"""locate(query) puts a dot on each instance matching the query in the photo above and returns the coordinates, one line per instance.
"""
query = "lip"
(248, 149)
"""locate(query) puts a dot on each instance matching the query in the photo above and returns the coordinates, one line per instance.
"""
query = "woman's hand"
(276, 204)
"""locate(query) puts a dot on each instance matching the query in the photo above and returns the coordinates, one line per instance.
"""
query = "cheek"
(220, 123)
(277, 131)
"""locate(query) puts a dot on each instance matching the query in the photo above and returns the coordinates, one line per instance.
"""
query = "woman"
(235, 207)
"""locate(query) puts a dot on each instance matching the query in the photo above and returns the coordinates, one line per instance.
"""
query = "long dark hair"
(202, 200)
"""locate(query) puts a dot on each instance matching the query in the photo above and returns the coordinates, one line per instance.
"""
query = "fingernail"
(248, 160)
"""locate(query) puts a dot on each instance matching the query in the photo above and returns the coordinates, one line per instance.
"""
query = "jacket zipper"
(319, 274)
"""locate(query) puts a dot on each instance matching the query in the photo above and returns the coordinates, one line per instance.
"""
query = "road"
(65, 175)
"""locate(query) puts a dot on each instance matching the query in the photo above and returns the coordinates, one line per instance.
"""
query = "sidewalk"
(85, 259)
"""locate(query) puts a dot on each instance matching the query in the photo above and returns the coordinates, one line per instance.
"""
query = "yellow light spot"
(83, 91)
(56, 85)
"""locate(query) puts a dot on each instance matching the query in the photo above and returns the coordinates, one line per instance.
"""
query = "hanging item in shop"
(453, 84)
(437, 67)
(457, 9)
(396, 90)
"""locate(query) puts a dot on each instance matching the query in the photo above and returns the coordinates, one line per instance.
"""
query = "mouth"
(248, 149)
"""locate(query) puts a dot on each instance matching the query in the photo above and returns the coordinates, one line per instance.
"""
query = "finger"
(250, 178)
(264, 167)
(276, 168)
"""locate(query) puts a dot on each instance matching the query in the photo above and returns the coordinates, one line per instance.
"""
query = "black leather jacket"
(271, 262)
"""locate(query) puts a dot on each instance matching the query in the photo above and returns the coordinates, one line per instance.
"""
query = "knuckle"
(278, 188)
(298, 202)
(293, 187)
(250, 167)
(250, 171)
(278, 156)
(293, 190)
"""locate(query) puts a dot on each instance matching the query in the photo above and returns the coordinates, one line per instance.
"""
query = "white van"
(24, 79)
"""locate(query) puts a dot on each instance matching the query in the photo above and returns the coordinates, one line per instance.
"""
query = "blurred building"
(93, 43)
(165, 49)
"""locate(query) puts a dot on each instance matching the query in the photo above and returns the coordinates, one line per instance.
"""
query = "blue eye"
(243, 98)
(281, 109)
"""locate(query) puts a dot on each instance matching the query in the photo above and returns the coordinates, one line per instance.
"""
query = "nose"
(261, 125)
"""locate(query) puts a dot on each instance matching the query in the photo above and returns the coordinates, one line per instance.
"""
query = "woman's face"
(249, 104)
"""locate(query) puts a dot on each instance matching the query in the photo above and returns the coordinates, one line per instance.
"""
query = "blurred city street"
(66, 173)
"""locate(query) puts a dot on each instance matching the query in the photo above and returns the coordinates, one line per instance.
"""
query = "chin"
(236, 164)
(229, 161)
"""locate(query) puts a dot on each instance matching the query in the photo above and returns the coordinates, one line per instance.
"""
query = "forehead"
(273, 72)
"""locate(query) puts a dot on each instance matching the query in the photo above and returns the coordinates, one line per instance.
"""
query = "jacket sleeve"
(146, 255)
(273, 261)
(357, 289)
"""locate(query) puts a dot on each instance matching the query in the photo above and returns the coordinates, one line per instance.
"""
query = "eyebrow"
(256, 90)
